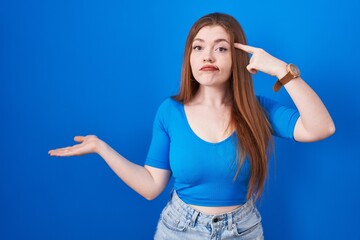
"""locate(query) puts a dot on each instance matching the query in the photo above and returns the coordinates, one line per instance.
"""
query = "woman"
(214, 136)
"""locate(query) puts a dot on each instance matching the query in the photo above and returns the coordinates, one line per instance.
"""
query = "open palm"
(87, 144)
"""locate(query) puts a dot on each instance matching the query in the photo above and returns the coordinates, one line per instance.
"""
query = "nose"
(208, 57)
(210, 60)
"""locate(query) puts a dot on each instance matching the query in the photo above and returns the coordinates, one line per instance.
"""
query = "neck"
(212, 96)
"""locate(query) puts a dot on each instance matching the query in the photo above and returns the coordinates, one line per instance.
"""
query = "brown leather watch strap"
(281, 82)
(287, 78)
(277, 86)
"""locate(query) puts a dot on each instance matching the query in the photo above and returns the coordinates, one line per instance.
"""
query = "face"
(210, 57)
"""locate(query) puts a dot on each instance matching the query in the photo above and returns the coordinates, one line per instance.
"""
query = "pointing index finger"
(245, 48)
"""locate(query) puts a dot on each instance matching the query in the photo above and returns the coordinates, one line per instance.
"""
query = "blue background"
(102, 67)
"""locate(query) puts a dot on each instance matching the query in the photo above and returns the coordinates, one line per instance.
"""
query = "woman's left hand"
(315, 122)
(263, 61)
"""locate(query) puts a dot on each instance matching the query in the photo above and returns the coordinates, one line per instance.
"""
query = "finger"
(245, 48)
(251, 69)
(64, 152)
(61, 153)
(55, 152)
(79, 138)
(58, 151)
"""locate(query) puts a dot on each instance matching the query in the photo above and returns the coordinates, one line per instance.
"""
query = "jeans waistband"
(182, 209)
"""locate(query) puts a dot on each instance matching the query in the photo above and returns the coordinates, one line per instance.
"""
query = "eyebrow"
(216, 41)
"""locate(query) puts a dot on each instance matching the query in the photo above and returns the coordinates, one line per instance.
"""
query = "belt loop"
(194, 218)
(172, 193)
(229, 221)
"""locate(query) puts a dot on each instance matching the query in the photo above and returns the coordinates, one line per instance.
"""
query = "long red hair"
(247, 116)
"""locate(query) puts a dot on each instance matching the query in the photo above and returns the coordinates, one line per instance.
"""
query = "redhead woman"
(214, 137)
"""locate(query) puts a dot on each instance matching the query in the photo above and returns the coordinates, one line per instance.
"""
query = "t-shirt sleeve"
(158, 155)
(282, 118)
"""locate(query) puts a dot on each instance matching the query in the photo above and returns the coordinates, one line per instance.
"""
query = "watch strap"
(277, 86)
(284, 80)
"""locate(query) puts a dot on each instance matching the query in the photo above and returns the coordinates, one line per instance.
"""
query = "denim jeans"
(180, 221)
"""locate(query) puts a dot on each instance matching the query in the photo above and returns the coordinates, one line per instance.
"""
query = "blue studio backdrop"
(103, 67)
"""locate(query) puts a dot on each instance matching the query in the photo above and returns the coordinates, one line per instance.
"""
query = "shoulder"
(267, 103)
(265, 100)
(167, 108)
(169, 104)
(281, 117)
(167, 113)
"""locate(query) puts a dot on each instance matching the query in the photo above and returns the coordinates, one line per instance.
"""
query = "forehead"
(212, 33)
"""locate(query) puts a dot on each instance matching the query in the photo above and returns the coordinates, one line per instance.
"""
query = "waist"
(203, 199)
(215, 210)
(237, 212)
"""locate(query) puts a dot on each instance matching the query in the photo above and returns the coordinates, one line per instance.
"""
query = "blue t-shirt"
(204, 172)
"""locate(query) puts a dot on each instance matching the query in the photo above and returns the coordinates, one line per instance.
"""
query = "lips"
(209, 68)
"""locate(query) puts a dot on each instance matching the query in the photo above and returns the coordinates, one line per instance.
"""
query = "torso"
(215, 129)
(208, 123)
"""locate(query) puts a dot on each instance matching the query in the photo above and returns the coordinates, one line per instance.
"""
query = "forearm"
(315, 122)
(135, 176)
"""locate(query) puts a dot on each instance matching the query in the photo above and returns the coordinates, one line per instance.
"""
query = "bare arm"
(315, 122)
(145, 180)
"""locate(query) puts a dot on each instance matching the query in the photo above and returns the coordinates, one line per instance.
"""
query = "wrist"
(100, 147)
(292, 72)
(281, 70)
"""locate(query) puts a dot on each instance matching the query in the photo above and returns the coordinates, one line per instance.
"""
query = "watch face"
(294, 70)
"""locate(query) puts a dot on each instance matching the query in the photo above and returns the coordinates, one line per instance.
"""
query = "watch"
(292, 72)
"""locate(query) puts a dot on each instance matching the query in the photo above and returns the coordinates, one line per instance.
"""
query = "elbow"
(328, 131)
(314, 134)
(331, 129)
(150, 196)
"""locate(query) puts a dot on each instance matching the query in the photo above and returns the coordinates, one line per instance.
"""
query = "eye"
(197, 48)
(221, 49)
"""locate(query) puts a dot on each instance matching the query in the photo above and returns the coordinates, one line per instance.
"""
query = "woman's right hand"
(148, 181)
(87, 144)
